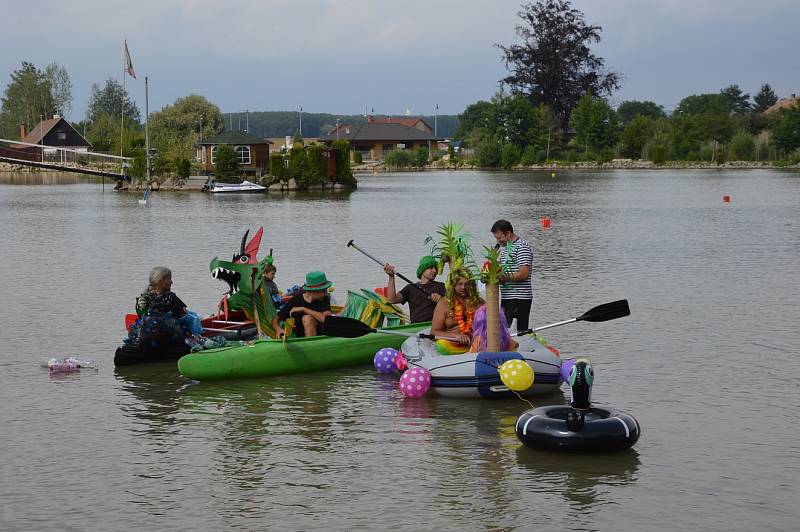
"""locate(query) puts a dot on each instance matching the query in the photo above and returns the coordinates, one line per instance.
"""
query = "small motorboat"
(230, 188)
(476, 374)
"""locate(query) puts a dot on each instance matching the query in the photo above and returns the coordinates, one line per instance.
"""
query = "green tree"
(27, 99)
(786, 132)
(60, 87)
(554, 64)
(176, 128)
(595, 123)
(108, 100)
(739, 101)
(742, 147)
(226, 167)
(765, 98)
(704, 103)
(628, 109)
(476, 115)
(635, 135)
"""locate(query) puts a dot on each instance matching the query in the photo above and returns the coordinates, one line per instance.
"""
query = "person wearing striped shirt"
(516, 289)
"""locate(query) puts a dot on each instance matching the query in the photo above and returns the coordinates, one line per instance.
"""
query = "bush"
(659, 154)
(509, 156)
(398, 159)
(312, 165)
(742, 147)
(182, 167)
(530, 156)
(138, 167)
(344, 172)
(488, 153)
(277, 165)
(421, 157)
(226, 169)
(357, 157)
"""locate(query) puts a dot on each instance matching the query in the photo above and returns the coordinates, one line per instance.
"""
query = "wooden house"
(253, 152)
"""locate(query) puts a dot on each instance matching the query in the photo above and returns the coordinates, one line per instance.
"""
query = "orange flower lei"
(463, 318)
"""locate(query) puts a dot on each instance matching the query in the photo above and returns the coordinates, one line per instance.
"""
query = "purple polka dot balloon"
(384, 360)
(415, 382)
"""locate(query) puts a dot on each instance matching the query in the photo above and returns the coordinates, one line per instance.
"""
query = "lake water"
(707, 361)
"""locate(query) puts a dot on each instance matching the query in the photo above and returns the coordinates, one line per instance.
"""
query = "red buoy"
(545, 222)
(726, 199)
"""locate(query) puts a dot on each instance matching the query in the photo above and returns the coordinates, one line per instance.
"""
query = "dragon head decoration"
(244, 276)
(244, 271)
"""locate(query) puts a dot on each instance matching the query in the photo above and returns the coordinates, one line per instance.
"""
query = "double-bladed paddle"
(604, 312)
(403, 277)
(352, 328)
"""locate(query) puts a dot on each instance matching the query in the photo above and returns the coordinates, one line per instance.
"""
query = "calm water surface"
(707, 361)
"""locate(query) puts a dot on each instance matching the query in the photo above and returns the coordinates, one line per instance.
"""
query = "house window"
(388, 147)
(61, 135)
(213, 155)
(244, 154)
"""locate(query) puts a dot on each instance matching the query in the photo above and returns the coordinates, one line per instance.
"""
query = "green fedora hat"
(316, 281)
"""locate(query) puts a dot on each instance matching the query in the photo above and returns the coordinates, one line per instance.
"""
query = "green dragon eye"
(589, 375)
(573, 374)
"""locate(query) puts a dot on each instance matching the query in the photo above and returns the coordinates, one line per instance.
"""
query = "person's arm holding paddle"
(391, 288)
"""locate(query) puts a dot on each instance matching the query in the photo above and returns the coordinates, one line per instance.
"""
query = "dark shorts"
(519, 309)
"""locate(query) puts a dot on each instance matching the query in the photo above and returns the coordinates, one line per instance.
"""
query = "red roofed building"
(55, 133)
(783, 104)
(383, 134)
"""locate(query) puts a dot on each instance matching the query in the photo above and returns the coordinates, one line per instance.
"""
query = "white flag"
(128, 62)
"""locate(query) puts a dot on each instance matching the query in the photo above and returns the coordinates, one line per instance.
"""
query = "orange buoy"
(545, 222)
(726, 198)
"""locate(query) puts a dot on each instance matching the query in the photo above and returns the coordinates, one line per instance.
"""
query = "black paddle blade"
(607, 311)
(342, 327)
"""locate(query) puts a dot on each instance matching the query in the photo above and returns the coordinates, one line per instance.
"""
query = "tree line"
(553, 106)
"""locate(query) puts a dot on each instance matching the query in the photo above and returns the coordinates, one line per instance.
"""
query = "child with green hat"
(309, 307)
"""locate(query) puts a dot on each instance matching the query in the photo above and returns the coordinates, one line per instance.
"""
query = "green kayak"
(265, 358)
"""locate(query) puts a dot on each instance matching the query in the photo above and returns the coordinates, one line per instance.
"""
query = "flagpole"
(146, 130)
(122, 109)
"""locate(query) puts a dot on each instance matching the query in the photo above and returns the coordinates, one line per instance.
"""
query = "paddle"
(605, 312)
(352, 328)
(400, 275)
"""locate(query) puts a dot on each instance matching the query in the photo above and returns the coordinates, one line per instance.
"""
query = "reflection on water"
(344, 449)
(580, 478)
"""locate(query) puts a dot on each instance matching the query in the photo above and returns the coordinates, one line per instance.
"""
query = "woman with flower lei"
(454, 314)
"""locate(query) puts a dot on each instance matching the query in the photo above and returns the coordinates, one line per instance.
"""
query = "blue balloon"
(384, 360)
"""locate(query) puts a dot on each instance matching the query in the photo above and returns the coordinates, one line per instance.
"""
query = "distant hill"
(271, 124)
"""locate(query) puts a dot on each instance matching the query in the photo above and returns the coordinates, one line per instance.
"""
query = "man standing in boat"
(421, 296)
(516, 289)
(309, 308)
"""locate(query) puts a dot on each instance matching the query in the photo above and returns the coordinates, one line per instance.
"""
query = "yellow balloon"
(516, 374)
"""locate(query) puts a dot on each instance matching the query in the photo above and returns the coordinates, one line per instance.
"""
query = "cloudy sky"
(339, 55)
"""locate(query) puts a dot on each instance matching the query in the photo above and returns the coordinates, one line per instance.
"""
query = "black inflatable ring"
(603, 430)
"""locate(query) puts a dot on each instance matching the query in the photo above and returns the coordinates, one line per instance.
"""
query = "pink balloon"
(400, 361)
(415, 382)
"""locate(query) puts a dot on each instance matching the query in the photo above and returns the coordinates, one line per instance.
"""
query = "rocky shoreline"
(32, 175)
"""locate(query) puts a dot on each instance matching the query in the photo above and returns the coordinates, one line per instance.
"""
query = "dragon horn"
(244, 241)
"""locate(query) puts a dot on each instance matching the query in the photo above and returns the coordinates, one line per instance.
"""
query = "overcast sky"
(339, 55)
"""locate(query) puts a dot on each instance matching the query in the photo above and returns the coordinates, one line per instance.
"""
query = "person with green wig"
(422, 299)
